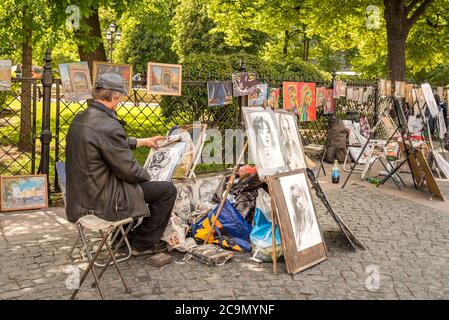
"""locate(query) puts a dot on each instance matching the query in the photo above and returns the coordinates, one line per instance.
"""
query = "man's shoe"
(157, 248)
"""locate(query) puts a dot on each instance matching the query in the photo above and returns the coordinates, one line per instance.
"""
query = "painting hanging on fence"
(349, 93)
(264, 144)
(76, 81)
(320, 96)
(23, 192)
(5, 75)
(307, 101)
(340, 89)
(430, 99)
(219, 93)
(123, 70)
(329, 102)
(273, 97)
(302, 241)
(161, 163)
(291, 96)
(290, 139)
(258, 98)
(243, 83)
(164, 79)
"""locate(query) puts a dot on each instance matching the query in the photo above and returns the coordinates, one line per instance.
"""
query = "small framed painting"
(5, 75)
(258, 98)
(125, 71)
(243, 83)
(23, 192)
(75, 79)
(273, 98)
(164, 79)
(219, 93)
(302, 240)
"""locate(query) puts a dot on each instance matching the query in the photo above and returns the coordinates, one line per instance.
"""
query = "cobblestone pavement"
(407, 242)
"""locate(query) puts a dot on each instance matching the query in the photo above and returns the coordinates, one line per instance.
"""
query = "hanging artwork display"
(219, 93)
(329, 102)
(161, 163)
(164, 79)
(349, 93)
(320, 96)
(243, 83)
(388, 88)
(382, 87)
(290, 139)
(341, 89)
(409, 94)
(23, 192)
(307, 101)
(361, 95)
(258, 98)
(76, 82)
(302, 241)
(291, 96)
(399, 89)
(123, 70)
(5, 75)
(264, 143)
(273, 97)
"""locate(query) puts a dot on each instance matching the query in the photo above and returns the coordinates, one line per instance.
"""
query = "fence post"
(242, 100)
(46, 135)
(376, 104)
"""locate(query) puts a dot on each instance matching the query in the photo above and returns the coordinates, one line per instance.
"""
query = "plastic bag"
(261, 234)
(175, 234)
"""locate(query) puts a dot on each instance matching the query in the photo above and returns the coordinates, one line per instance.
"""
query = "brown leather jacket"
(102, 174)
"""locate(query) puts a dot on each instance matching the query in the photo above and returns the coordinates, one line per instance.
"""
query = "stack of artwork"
(275, 146)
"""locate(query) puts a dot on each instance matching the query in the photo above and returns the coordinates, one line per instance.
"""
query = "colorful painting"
(320, 96)
(23, 192)
(5, 75)
(123, 70)
(307, 101)
(258, 98)
(243, 83)
(329, 102)
(273, 97)
(75, 79)
(219, 93)
(291, 96)
(164, 79)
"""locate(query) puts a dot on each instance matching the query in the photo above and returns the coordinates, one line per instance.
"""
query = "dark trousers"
(160, 197)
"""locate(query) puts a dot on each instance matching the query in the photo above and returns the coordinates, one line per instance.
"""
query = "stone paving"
(407, 243)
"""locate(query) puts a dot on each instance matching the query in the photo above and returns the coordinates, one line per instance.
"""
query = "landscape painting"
(219, 93)
(23, 192)
(123, 70)
(164, 79)
(76, 82)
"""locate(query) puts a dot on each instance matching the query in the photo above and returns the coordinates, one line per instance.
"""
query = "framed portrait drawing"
(206, 186)
(23, 192)
(302, 240)
(244, 83)
(264, 143)
(164, 79)
(125, 71)
(162, 163)
(185, 202)
(273, 97)
(5, 75)
(290, 139)
(258, 98)
(76, 81)
(219, 93)
(430, 99)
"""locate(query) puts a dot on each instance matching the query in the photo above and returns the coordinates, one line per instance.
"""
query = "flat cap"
(111, 81)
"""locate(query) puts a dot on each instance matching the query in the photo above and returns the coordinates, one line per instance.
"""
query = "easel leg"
(273, 238)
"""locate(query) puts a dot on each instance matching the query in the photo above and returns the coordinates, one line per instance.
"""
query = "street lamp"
(112, 36)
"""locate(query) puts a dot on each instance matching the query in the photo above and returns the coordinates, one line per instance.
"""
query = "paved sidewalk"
(406, 236)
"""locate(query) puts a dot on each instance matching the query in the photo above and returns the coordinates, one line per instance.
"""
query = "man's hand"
(150, 142)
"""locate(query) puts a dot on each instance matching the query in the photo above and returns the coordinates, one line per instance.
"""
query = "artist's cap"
(111, 81)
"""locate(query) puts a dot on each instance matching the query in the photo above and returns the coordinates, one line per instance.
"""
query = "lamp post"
(112, 36)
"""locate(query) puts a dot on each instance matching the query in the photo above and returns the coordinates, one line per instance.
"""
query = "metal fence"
(145, 115)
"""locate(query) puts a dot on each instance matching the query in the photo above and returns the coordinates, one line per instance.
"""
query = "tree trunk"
(25, 139)
(87, 54)
(306, 48)
(285, 48)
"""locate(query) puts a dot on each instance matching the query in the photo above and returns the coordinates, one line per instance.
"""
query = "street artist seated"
(104, 179)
